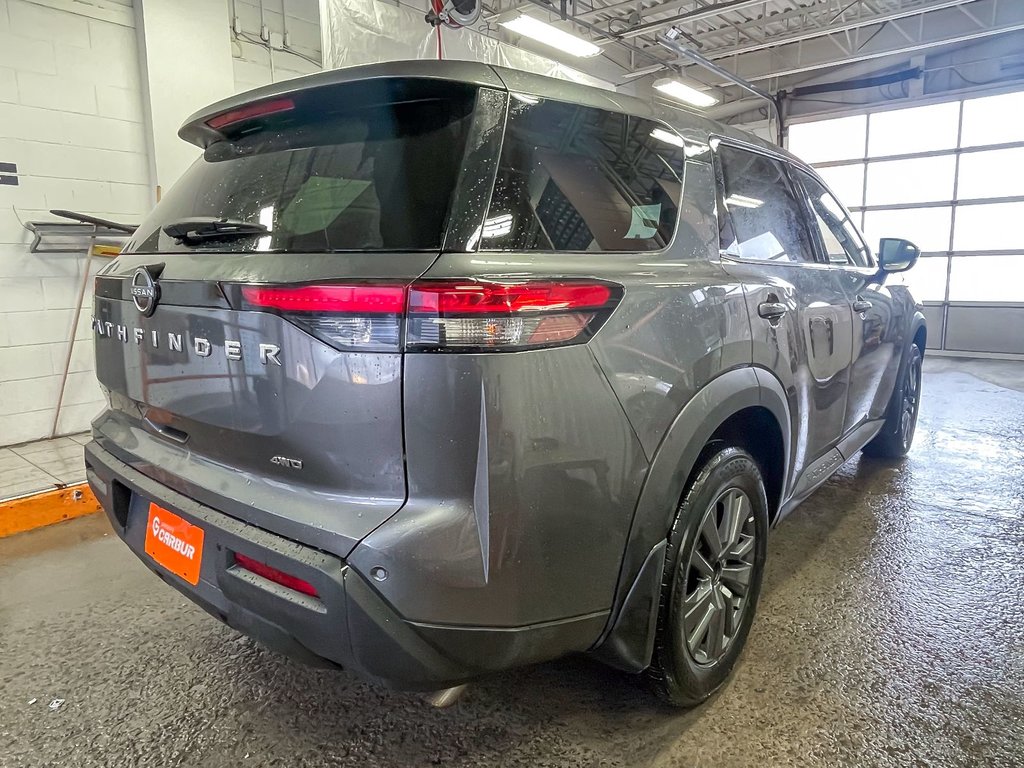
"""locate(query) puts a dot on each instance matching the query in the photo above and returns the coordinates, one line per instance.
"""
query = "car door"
(800, 315)
(875, 325)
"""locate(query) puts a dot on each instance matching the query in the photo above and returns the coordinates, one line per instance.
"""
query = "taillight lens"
(505, 316)
(357, 317)
(441, 314)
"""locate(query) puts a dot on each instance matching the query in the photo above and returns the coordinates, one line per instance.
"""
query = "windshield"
(369, 167)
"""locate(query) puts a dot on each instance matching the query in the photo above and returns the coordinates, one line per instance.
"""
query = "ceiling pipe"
(670, 40)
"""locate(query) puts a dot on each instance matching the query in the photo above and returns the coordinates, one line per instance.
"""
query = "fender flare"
(628, 640)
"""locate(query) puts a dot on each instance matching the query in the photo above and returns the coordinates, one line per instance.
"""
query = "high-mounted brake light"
(440, 314)
(270, 573)
(260, 109)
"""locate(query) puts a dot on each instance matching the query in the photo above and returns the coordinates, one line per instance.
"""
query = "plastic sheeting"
(369, 31)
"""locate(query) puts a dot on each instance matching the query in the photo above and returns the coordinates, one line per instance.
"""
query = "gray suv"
(429, 370)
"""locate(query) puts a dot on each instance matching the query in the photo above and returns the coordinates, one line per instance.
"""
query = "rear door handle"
(861, 305)
(771, 310)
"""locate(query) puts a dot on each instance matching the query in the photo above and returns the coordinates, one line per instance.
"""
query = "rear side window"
(764, 218)
(574, 178)
(369, 166)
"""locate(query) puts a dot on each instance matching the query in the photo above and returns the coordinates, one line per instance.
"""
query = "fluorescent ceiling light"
(527, 26)
(684, 92)
(668, 137)
(743, 201)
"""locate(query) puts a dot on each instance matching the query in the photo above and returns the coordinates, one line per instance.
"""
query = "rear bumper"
(348, 624)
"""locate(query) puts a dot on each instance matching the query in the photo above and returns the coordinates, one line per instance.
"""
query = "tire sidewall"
(916, 371)
(690, 682)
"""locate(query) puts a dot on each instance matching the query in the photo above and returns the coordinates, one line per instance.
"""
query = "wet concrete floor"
(890, 633)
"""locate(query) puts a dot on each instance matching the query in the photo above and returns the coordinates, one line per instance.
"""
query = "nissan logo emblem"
(145, 291)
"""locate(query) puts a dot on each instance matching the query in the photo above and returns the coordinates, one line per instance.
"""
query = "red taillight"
(250, 111)
(364, 318)
(355, 299)
(440, 314)
(490, 298)
(273, 574)
(504, 316)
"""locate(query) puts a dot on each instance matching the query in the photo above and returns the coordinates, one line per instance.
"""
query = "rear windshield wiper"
(202, 228)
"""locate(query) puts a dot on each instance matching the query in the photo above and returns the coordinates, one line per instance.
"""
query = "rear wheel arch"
(737, 404)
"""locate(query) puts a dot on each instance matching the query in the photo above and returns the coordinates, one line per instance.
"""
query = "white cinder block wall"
(255, 65)
(71, 118)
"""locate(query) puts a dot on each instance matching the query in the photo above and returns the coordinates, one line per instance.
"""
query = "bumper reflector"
(273, 574)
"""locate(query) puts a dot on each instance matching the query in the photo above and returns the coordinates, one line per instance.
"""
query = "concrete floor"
(890, 633)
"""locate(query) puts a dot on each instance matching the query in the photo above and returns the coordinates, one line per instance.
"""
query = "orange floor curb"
(47, 508)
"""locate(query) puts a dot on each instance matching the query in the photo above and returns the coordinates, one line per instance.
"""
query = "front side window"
(574, 178)
(843, 244)
(762, 210)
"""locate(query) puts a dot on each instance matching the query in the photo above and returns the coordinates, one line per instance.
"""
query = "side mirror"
(896, 254)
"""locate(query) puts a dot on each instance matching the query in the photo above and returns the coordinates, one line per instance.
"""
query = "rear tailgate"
(256, 370)
(246, 411)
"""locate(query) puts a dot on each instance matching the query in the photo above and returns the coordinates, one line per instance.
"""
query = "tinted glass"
(764, 212)
(843, 243)
(574, 178)
(366, 168)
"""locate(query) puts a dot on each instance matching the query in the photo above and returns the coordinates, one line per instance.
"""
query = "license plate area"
(174, 543)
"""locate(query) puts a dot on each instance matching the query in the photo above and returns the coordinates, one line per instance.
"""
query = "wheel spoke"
(699, 612)
(701, 564)
(709, 532)
(732, 614)
(735, 512)
(716, 627)
(737, 577)
(741, 549)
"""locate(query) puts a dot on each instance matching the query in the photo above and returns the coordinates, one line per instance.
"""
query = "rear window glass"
(574, 178)
(362, 167)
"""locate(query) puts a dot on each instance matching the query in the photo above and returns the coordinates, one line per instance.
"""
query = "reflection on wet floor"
(889, 634)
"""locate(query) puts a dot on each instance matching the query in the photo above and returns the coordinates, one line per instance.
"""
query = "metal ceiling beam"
(697, 14)
(846, 26)
(690, 16)
(899, 50)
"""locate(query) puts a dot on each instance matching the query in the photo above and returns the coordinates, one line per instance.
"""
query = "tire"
(690, 664)
(897, 435)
